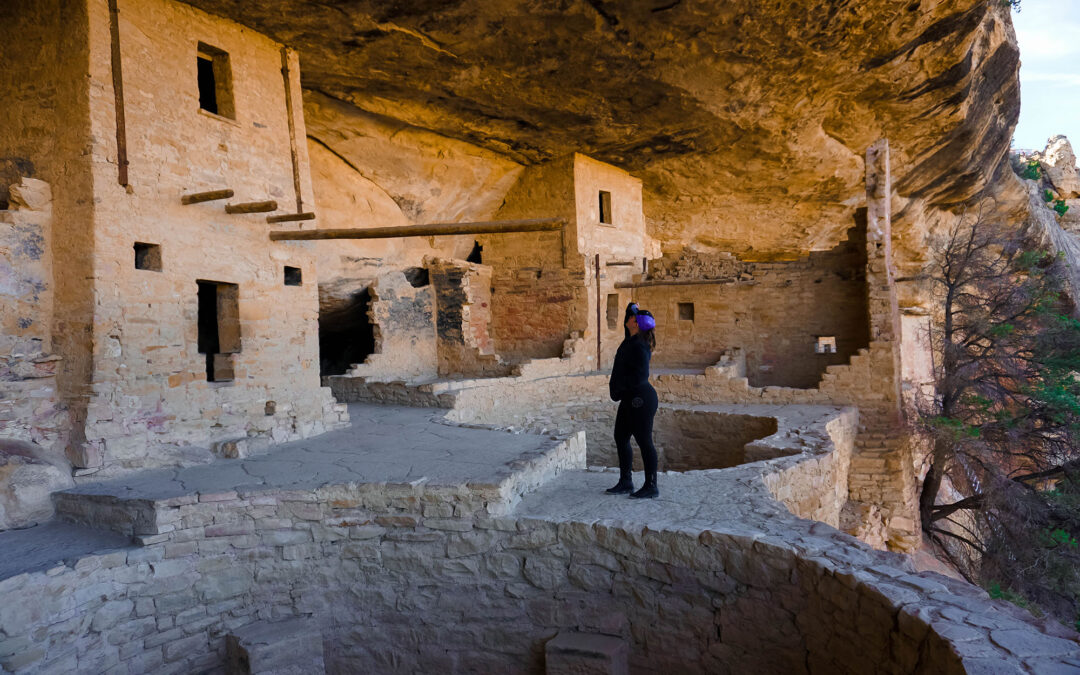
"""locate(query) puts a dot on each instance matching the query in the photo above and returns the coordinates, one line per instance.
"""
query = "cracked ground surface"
(381, 444)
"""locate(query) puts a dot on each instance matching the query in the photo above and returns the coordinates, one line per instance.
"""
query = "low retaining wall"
(399, 584)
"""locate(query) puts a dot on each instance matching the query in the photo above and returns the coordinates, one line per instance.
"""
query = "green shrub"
(1032, 171)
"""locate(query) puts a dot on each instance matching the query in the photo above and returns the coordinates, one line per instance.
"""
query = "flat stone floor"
(40, 548)
(381, 444)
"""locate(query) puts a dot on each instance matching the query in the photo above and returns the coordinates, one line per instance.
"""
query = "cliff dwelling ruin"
(307, 312)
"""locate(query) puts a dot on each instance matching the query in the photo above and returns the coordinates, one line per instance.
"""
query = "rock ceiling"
(746, 119)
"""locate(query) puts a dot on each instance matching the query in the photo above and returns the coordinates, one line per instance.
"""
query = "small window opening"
(147, 257)
(605, 207)
(215, 81)
(476, 255)
(293, 276)
(613, 310)
(686, 311)
(219, 328)
(825, 345)
(418, 277)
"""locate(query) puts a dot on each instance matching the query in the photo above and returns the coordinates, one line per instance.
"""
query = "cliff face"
(746, 120)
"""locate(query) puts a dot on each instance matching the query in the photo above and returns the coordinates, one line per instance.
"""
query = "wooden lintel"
(251, 207)
(290, 217)
(429, 230)
(677, 282)
(211, 196)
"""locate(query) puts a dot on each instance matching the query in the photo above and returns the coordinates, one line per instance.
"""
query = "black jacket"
(630, 373)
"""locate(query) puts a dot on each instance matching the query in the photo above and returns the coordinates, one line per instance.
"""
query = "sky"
(1049, 35)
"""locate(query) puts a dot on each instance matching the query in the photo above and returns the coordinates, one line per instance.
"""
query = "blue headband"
(646, 322)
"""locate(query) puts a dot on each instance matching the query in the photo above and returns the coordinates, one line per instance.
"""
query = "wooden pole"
(211, 196)
(290, 217)
(677, 282)
(251, 207)
(429, 230)
(118, 95)
(292, 128)
(598, 329)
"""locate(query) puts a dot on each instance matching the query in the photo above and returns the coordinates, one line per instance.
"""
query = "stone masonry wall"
(44, 131)
(464, 342)
(403, 578)
(774, 312)
(403, 320)
(534, 310)
(30, 409)
(149, 380)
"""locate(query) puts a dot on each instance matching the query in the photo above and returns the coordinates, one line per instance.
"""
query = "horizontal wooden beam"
(200, 197)
(291, 217)
(251, 207)
(677, 282)
(429, 230)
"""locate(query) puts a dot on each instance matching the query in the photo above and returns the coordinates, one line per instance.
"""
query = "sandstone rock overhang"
(746, 120)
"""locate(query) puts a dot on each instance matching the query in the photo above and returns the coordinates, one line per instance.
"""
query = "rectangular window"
(215, 81)
(613, 311)
(825, 345)
(219, 328)
(293, 276)
(686, 311)
(147, 257)
(605, 207)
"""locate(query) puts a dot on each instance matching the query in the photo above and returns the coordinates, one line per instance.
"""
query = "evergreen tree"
(1001, 497)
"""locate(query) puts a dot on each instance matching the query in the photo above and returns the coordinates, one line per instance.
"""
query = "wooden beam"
(429, 230)
(290, 217)
(285, 75)
(118, 94)
(200, 197)
(677, 282)
(251, 207)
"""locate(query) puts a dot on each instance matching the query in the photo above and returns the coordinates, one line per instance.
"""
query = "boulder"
(1059, 164)
(27, 479)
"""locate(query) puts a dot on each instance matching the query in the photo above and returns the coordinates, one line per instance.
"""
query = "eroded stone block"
(292, 647)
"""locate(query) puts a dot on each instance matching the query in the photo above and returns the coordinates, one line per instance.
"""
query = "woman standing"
(629, 385)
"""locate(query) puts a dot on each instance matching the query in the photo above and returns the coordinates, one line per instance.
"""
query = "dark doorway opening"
(346, 336)
(476, 255)
(218, 328)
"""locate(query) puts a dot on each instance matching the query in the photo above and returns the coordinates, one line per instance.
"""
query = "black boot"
(648, 490)
(625, 484)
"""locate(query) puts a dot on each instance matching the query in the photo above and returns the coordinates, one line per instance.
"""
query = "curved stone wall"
(422, 577)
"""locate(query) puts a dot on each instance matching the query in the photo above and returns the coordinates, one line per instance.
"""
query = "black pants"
(635, 418)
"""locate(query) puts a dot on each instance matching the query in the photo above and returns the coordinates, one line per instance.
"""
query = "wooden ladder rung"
(200, 197)
(251, 207)
(290, 217)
